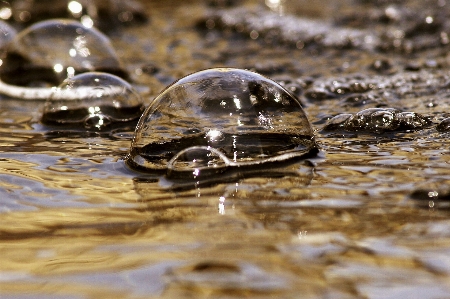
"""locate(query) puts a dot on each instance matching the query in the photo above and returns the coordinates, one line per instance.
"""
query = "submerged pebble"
(50, 51)
(378, 120)
(227, 117)
(93, 101)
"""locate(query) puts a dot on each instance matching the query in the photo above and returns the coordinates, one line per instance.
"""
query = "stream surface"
(368, 217)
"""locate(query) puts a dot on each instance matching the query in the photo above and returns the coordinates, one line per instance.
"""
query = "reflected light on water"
(5, 13)
(276, 5)
(87, 21)
(222, 205)
(58, 68)
(75, 7)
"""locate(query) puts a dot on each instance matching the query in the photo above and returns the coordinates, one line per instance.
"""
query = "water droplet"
(93, 100)
(432, 195)
(444, 125)
(50, 51)
(248, 118)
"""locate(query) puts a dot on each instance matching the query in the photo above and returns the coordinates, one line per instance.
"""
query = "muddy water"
(366, 218)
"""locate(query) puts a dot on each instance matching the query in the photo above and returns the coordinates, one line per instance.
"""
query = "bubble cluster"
(220, 118)
(93, 100)
(50, 51)
(378, 120)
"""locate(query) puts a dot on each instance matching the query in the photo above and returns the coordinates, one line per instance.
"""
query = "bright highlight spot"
(58, 68)
(75, 7)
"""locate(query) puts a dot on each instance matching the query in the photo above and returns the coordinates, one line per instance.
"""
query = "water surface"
(76, 222)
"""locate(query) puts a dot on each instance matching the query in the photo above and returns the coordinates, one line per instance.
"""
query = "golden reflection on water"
(76, 223)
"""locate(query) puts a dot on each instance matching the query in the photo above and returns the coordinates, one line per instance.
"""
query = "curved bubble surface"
(104, 14)
(7, 33)
(50, 51)
(93, 100)
(250, 119)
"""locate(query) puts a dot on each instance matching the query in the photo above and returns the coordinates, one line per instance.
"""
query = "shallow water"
(76, 222)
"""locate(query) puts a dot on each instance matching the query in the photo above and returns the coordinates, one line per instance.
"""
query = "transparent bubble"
(104, 14)
(50, 51)
(444, 125)
(248, 118)
(93, 100)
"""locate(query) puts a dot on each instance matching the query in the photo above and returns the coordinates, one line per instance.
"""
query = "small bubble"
(444, 125)
(210, 24)
(93, 101)
(300, 45)
(338, 121)
(433, 194)
(254, 34)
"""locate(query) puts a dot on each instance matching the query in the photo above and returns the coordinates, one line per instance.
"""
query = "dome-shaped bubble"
(247, 117)
(444, 125)
(50, 51)
(93, 100)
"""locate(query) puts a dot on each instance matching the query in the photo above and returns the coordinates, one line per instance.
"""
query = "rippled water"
(366, 218)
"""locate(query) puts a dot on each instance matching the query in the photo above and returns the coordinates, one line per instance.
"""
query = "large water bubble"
(220, 118)
(93, 100)
(51, 51)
